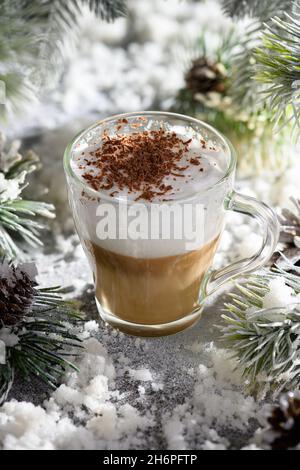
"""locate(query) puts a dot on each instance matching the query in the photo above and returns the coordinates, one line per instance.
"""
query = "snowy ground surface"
(178, 392)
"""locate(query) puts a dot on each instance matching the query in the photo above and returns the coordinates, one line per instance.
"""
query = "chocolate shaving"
(138, 162)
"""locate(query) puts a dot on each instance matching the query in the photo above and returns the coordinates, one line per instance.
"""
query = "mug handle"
(268, 220)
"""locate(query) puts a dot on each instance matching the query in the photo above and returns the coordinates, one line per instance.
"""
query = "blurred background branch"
(261, 9)
(266, 66)
(33, 36)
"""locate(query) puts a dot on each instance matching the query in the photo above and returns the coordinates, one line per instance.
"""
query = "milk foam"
(193, 179)
(191, 185)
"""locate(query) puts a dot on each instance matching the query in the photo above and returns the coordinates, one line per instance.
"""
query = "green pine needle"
(16, 224)
(45, 341)
(265, 342)
(6, 380)
(261, 9)
(32, 39)
(241, 114)
(265, 69)
(278, 68)
(19, 218)
(108, 10)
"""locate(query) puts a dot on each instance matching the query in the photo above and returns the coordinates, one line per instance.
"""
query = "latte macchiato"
(143, 279)
(149, 192)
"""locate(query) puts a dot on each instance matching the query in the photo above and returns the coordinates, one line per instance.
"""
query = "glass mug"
(155, 287)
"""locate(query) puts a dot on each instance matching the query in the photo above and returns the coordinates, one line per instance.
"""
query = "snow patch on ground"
(86, 397)
(217, 404)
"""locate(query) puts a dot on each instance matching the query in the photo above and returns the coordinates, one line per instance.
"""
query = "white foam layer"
(192, 179)
(141, 243)
(203, 220)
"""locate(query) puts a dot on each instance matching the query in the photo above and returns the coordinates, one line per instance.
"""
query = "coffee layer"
(151, 290)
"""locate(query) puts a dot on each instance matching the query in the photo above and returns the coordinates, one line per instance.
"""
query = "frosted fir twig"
(234, 106)
(18, 215)
(266, 342)
(34, 328)
(33, 36)
(258, 64)
(260, 9)
(278, 65)
(290, 224)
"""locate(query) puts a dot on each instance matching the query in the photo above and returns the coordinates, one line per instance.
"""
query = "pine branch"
(231, 103)
(266, 342)
(6, 381)
(261, 9)
(18, 53)
(278, 65)
(33, 34)
(246, 90)
(16, 223)
(108, 10)
(17, 215)
(35, 327)
(290, 224)
(67, 11)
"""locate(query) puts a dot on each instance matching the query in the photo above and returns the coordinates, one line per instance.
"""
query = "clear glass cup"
(157, 286)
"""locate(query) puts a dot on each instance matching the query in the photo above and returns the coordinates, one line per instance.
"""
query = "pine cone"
(290, 225)
(284, 423)
(17, 292)
(205, 76)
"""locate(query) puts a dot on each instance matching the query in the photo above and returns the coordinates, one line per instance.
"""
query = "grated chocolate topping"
(138, 162)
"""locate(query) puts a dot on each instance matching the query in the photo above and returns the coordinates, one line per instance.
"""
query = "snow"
(279, 295)
(144, 375)
(11, 188)
(24, 426)
(216, 404)
(8, 337)
(173, 430)
(250, 245)
(65, 394)
(88, 411)
(157, 386)
(91, 326)
(85, 397)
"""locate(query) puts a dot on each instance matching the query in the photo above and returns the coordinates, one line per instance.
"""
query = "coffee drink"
(149, 194)
(142, 279)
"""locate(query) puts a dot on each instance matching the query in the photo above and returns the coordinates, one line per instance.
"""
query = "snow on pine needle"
(290, 224)
(18, 215)
(35, 328)
(35, 37)
(263, 328)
